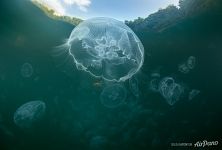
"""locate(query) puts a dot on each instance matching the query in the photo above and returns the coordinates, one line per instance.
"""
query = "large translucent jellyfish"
(171, 90)
(113, 95)
(29, 113)
(106, 48)
(26, 70)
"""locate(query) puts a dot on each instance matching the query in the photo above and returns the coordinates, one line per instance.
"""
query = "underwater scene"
(110, 75)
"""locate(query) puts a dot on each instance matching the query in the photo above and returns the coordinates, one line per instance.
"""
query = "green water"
(75, 119)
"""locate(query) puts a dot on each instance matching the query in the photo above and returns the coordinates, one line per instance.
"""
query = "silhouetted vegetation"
(171, 15)
(51, 13)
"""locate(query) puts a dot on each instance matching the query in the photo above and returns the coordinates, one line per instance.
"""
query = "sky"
(118, 9)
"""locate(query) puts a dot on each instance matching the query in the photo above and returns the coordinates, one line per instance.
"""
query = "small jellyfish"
(113, 96)
(154, 85)
(175, 93)
(171, 90)
(26, 70)
(165, 85)
(191, 62)
(133, 84)
(183, 68)
(29, 113)
(193, 94)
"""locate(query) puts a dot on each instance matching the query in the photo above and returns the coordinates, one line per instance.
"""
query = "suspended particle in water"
(26, 70)
(29, 113)
(154, 82)
(191, 62)
(113, 96)
(155, 75)
(106, 48)
(134, 86)
(193, 94)
(183, 68)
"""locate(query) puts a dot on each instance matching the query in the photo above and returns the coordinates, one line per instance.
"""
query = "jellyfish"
(165, 85)
(133, 85)
(113, 96)
(191, 62)
(26, 70)
(154, 85)
(170, 90)
(183, 68)
(106, 48)
(175, 94)
(193, 93)
(29, 113)
(154, 82)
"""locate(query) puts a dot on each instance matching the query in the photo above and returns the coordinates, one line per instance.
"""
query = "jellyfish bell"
(29, 113)
(175, 94)
(26, 70)
(171, 91)
(106, 48)
(191, 62)
(193, 93)
(165, 85)
(154, 85)
(154, 82)
(183, 68)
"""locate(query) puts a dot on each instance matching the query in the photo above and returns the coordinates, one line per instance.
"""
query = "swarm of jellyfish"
(29, 113)
(106, 48)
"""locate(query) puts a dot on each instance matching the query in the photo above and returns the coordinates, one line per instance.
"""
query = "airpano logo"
(198, 144)
(205, 143)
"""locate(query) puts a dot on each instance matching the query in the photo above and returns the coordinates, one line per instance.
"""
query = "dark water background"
(75, 118)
